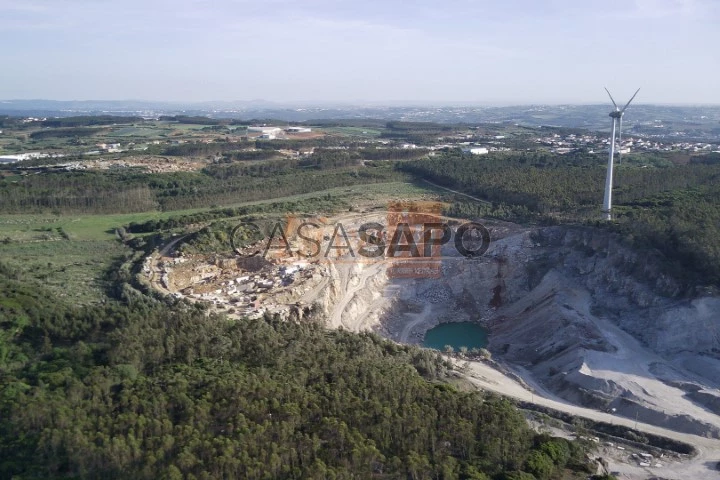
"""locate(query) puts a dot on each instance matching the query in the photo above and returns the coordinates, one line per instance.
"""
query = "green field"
(34, 228)
(143, 131)
(101, 227)
(353, 131)
(73, 270)
(185, 127)
(72, 254)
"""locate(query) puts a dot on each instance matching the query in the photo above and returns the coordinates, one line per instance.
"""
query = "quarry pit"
(573, 314)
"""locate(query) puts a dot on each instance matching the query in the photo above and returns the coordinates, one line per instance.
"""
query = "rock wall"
(598, 323)
(631, 286)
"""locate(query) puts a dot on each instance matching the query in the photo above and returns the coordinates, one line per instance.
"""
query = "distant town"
(477, 140)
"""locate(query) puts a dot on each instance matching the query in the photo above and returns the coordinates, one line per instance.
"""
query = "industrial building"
(298, 130)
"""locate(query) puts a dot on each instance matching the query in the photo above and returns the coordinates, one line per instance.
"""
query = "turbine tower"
(616, 116)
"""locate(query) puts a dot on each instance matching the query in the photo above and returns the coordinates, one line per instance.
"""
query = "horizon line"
(353, 103)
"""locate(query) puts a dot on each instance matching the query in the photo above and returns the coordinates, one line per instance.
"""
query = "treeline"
(320, 159)
(69, 132)
(301, 144)
(359, 122)
(179, 221)
(245, 188)
(89, 120)
(139, 388)
(78, 192)
(392, 153)
(268, 168)
(204, 149)
(245, 150)
(324, 159)
(424, 133)
(194, 120)
(247, 155)
(204, 120)
(7, 121)
(219, 147)
(42, 162)
(675, 209)
(418, 127)
(553, 184)
(220, 184)
(325, 204)
(684, 225)
(708, 159)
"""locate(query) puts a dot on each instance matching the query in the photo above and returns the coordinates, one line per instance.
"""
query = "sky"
(355, 52)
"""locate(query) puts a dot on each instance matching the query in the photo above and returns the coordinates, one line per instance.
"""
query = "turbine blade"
(631, 99)
(611, 98)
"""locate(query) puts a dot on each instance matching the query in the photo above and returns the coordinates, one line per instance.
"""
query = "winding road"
(701, 467)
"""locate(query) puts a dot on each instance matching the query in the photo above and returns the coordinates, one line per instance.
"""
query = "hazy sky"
(496, 51)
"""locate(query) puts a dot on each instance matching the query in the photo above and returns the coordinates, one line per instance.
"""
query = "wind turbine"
(616, 116)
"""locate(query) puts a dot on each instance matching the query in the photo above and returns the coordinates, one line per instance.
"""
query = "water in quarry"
(456, 334)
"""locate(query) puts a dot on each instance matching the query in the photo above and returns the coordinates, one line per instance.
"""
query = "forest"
(422, 133)
(673, 209)
(237, 175)
(131, 190)
(89, 120)
(69, 132)
(148, 388)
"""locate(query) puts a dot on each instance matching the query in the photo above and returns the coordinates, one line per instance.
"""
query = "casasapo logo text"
(414, 238)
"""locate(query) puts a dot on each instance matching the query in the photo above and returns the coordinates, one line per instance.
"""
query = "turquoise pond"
(456, 334)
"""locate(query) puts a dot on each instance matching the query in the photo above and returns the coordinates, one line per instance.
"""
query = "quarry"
(574, 317)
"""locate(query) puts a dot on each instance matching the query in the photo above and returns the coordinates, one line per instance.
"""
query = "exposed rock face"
(548, 323)
(571, 310)
(599, 324)
(631, 287)
(694, 327)
(352, 295)
(362, 295)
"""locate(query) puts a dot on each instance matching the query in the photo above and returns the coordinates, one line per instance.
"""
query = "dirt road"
(702, 466)
(458, 193)
(419, 318)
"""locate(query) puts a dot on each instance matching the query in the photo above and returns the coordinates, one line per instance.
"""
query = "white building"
(275, 131)
(26, 156)
(109, 147)
(476, 150)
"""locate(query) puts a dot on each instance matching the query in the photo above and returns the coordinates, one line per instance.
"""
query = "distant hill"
(644, 118)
